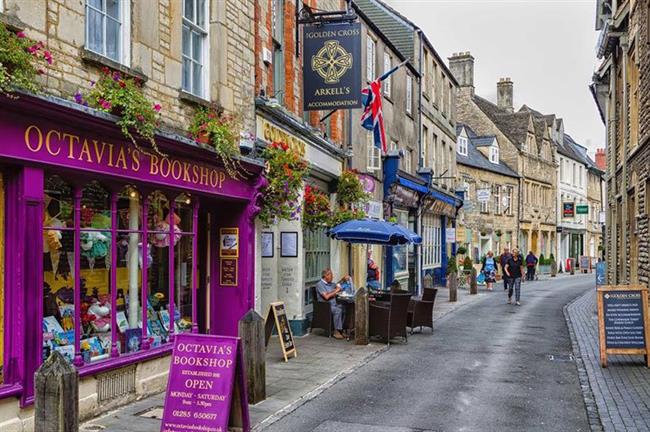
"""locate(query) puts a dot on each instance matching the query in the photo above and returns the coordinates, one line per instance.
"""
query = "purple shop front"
(112, 250)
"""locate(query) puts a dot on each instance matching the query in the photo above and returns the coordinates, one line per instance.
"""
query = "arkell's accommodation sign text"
(332, 66)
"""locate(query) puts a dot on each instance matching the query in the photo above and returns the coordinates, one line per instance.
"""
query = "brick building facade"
(621, 90)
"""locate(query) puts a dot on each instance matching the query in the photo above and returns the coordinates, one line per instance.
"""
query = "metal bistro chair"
(322, 314)
(420, 312)
(389, 321)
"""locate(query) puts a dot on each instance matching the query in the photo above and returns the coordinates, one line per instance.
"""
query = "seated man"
(327, 292)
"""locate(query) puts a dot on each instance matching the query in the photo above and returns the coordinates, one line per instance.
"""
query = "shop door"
(229, 270)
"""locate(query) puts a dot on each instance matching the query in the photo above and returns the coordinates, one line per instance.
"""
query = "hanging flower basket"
(351, 198)
(316, 211)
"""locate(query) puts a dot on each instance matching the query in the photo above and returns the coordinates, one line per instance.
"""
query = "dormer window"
(461, 147)
(530, 143)
(494, 154)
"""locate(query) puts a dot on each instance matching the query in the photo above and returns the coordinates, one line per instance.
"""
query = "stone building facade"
(526, 146)
(490, 224)
(146, 41)
(621, 89)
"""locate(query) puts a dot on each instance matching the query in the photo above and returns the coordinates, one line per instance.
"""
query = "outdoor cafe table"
(348, 303)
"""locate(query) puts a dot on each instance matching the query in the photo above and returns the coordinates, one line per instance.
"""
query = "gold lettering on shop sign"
(93, 151)
(273, 133)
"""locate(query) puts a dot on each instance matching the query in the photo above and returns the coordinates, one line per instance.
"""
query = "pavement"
(619, 395)
(321, 364)
(488, 366)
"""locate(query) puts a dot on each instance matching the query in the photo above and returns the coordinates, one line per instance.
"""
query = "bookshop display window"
(117, 269)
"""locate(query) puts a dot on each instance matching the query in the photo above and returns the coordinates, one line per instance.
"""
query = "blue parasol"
(371, 231)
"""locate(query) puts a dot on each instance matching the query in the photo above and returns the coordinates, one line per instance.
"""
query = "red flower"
(122, 84)
(20, 35)
(105, 70)
(140, 117)
(285, 147)
(40, 71)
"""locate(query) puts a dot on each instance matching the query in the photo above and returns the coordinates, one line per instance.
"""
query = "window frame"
(371, 58)
(408, 160)
(494, 154)
(388, 65)
(409, 94)
(462, 145)
(124, 56)
(143, 231)
(373, 154)
(194, 28)
(316, 244)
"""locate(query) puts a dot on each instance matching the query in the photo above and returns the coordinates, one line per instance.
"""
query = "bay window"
(118, 270)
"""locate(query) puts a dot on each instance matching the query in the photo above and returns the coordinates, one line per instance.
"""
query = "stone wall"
(155, 45)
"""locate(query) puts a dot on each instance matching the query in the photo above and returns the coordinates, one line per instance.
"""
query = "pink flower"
(20, 35)
(157, 107)
(105, 104)
(48, 57)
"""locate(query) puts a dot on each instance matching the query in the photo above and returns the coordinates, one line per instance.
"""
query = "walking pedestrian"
(514, 270)
(503, 259)
(489, 270)
(531, 263)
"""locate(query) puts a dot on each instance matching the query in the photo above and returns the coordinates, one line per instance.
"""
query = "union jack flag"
(373, 117)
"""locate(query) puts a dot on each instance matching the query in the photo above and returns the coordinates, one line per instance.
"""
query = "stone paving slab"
(620, 393)
(321, 363)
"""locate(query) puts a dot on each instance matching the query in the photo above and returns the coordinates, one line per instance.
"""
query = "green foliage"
(21, 60)
(123, 96)
(350, 197)
(542, 260)
(462, 250)
(467, 263)
(551, 259)
(452, 267)
(316, 211)
(285, 174)
(222, 131)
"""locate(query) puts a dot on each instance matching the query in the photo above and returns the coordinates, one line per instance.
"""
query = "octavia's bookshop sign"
(623, 325)
(206, 389)
(332, 66)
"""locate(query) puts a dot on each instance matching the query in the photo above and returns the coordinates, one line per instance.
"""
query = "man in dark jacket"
(505, 256)
(531, 263)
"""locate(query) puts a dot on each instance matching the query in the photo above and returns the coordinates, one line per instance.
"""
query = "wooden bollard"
(553, 269)
(453, 287)
(251, 332)
(56, 406)
(361, 317)
(473, 286)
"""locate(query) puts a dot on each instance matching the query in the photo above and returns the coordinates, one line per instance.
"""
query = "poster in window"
(229, 242)
(289, 244)
(228, 271)
(267, 245)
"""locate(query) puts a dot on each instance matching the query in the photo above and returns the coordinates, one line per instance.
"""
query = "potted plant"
(543, 265)
(221, 132)
(21, 60)
(462, 250)
(123, 96)
(468, 266)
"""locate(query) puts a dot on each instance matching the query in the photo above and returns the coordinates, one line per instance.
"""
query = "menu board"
(277, 316)
(228, 271)
(206, 390)
(623, 321)
(585, 263)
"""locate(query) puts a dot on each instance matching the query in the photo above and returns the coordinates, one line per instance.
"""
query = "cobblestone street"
(621, 391)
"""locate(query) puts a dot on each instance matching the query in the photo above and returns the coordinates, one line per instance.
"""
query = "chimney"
(504, 94)
(462, 67)
(601, 159)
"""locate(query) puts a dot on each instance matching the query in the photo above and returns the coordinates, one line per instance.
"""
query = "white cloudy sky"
(547, 48)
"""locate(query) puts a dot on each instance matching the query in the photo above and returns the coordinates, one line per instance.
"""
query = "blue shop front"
(414, 202)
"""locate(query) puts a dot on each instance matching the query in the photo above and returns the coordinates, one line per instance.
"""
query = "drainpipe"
(421, 162)
(520, 210)
(625, 216)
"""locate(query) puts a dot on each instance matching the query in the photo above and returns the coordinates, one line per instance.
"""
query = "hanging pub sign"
(568, 209)
(332, 66)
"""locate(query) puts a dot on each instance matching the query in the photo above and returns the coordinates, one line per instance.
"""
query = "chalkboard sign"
(623, 321)
(585, 263)
(277, 317)
(206, 388)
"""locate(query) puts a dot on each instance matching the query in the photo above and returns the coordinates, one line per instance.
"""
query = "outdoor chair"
(389, 321)
(322, 314)
(420, 313)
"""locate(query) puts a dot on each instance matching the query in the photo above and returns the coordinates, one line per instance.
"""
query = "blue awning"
(413, 185)
(442, 197)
